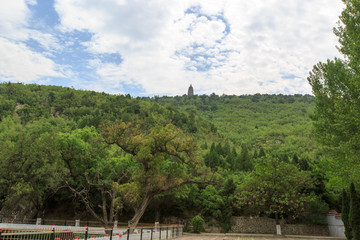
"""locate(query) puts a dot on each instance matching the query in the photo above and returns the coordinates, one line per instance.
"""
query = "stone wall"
(302, 229)
(267, 226)
(252, 225)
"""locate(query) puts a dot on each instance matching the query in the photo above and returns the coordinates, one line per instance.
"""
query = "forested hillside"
(277, 123)
(85, 108)
(108, 157)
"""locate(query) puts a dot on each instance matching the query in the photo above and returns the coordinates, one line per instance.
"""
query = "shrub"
(197, 224)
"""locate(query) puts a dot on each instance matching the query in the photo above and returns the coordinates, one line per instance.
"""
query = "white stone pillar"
(278, 229)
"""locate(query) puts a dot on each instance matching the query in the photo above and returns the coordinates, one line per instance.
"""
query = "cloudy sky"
(160, 47)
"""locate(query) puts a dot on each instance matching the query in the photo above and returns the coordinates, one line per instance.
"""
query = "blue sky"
(160, 47)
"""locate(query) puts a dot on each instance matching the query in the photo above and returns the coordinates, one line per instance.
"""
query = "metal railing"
(62, 222)
(35, 232)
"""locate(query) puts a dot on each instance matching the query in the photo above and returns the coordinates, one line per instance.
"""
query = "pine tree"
(284, 158)
(354, 213)
(295, 160)
(255, 156)
(234, 157)
(262, 152)
(345, 214)
(245, 160)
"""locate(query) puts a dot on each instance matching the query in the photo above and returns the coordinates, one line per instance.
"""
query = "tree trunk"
(157, 215)
(104, 207)
(86, 202)
(140, 211)
(112, 206)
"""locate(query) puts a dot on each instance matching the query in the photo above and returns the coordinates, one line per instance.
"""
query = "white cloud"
(14, 16)
(48, 41)
(164, 48)
(18, 63)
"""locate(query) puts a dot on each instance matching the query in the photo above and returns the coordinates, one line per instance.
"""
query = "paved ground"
(249, 237)
(236, 238)
(200, 238)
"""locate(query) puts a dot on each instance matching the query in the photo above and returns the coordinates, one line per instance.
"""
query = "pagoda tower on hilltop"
(191, 91)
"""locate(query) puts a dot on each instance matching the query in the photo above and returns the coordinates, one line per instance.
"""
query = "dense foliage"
(336, 87)
(116, 157)
(197, 223)
(275, 187)
(277, 123)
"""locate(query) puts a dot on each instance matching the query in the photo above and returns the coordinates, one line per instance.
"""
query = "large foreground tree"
(336, 85)
(275, 188)
(29, 167)
(91, 169)
(165, 159)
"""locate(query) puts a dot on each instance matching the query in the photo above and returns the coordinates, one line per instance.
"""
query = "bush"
(197, 224)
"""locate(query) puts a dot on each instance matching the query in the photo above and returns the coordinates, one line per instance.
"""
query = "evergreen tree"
(213, 158)
(284, 158)
(304, 165)
(345, 214)
(295, 159)
(255, 156)
(262, 152)
(245, 160)
(226, 149)
(219, 149)
(354, 213)
(233, 159)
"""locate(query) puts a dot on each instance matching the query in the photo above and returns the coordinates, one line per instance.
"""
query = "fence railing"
(35, 232)
(63, 222)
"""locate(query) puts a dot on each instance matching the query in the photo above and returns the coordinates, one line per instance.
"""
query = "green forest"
(81, 154)
(105, 157)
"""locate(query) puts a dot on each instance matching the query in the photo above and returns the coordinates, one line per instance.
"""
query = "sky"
(160, 47)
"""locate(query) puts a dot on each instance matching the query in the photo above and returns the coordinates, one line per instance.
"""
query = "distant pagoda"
(191, 91)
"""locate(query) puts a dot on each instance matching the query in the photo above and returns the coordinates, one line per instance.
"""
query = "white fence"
(10, 231)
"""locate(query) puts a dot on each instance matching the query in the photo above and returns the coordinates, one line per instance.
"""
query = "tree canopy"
(275, 187)
(336, 86)
(113, 157)
(165, 157)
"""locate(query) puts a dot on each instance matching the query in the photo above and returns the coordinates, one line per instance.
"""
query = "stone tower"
(191, 91)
